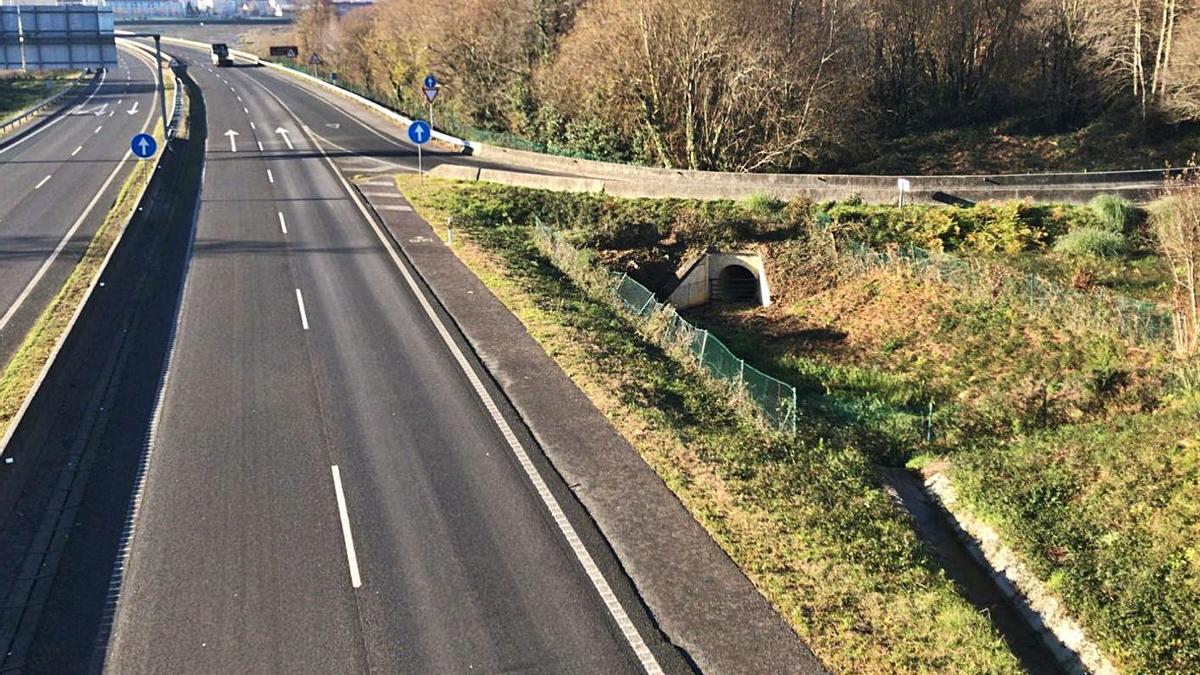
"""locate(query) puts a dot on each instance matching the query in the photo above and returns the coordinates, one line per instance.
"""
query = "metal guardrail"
(30, 112)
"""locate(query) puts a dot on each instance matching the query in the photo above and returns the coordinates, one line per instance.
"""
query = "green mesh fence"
(776, 400)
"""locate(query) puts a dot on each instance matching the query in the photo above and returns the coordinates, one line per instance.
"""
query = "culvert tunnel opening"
(735, 284)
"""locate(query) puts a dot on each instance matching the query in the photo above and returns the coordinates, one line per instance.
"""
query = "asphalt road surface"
(58, 179)
(334, 487)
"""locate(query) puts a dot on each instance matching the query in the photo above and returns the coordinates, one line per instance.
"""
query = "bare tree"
(1176, 221)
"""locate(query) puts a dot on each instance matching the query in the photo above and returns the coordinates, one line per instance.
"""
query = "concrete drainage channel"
(1027, 634)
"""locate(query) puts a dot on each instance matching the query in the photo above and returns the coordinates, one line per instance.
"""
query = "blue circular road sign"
(143, 145)
(430, 82)
(418, 132)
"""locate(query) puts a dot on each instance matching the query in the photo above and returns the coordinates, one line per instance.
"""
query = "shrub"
(763, 204)
(1092, 241)
(1113, 214)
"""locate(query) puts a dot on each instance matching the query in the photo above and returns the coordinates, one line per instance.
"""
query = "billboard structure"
(56, 37)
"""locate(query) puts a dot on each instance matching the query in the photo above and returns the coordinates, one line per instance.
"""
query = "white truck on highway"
(219, 53)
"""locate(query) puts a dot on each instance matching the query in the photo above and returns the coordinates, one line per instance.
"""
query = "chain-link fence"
(774, 399)
(1139, 321)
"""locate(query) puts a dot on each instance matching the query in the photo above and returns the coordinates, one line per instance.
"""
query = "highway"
(58, 179)
(336, 485)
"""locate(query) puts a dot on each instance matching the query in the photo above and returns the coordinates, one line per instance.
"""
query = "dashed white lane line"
(239, 98)
(260, 147)
(246, 111)
(344, 516)
(76, 151)
(98, 129)
(283, 226)
(303, 314)
(119, 101)
(271, 177)
(252, 127)
(599, 583)
(41, 182)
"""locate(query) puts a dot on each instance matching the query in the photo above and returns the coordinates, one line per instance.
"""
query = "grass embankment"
(803, 516)
(1065, 424)
(20, 92)
(20, 374)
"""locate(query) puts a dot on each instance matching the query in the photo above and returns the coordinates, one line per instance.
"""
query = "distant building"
(145, 9)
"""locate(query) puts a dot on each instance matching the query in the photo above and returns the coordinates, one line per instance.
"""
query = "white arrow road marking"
(100, 111)
(232, 140)
(133, 110)
(344, 516)
(41, 183)
(284, 132)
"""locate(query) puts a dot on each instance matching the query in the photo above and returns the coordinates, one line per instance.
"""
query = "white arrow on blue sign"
(143, 145)
(430, 82)
(418, 132)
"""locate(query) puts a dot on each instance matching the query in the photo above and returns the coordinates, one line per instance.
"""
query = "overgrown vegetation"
(762, 85)
(1073, 435)
(803, 516)
(19, 91)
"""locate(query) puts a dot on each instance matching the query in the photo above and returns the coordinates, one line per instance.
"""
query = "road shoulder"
(698, 596)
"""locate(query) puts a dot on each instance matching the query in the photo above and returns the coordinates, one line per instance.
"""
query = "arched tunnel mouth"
(735, 284)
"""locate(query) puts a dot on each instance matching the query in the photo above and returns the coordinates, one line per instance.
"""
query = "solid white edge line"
(271, 177)
(303, 314)
(60, 115)
(41, 183)
(15, 421)
(615, 610)
(283, 226)
(344, 516)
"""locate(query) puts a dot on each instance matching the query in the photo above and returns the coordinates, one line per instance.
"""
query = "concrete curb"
(1061, 634)
(15, 422)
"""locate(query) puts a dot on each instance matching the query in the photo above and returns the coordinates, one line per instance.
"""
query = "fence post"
(795, 410)
(703, 346)
(619, 282)
(741, 373)
(648, 301)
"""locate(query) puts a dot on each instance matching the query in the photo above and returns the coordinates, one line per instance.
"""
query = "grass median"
(803, 517)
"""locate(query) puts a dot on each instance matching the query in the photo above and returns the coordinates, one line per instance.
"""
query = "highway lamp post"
(162, 91)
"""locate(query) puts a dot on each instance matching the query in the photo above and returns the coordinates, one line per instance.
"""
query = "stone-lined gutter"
(1061, 634)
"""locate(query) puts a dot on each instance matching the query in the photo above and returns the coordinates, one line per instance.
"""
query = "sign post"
(143, 146)
(904, 185)
(419, 133)
(430, 90)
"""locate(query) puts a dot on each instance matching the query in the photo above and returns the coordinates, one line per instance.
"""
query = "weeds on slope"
(803, 516)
